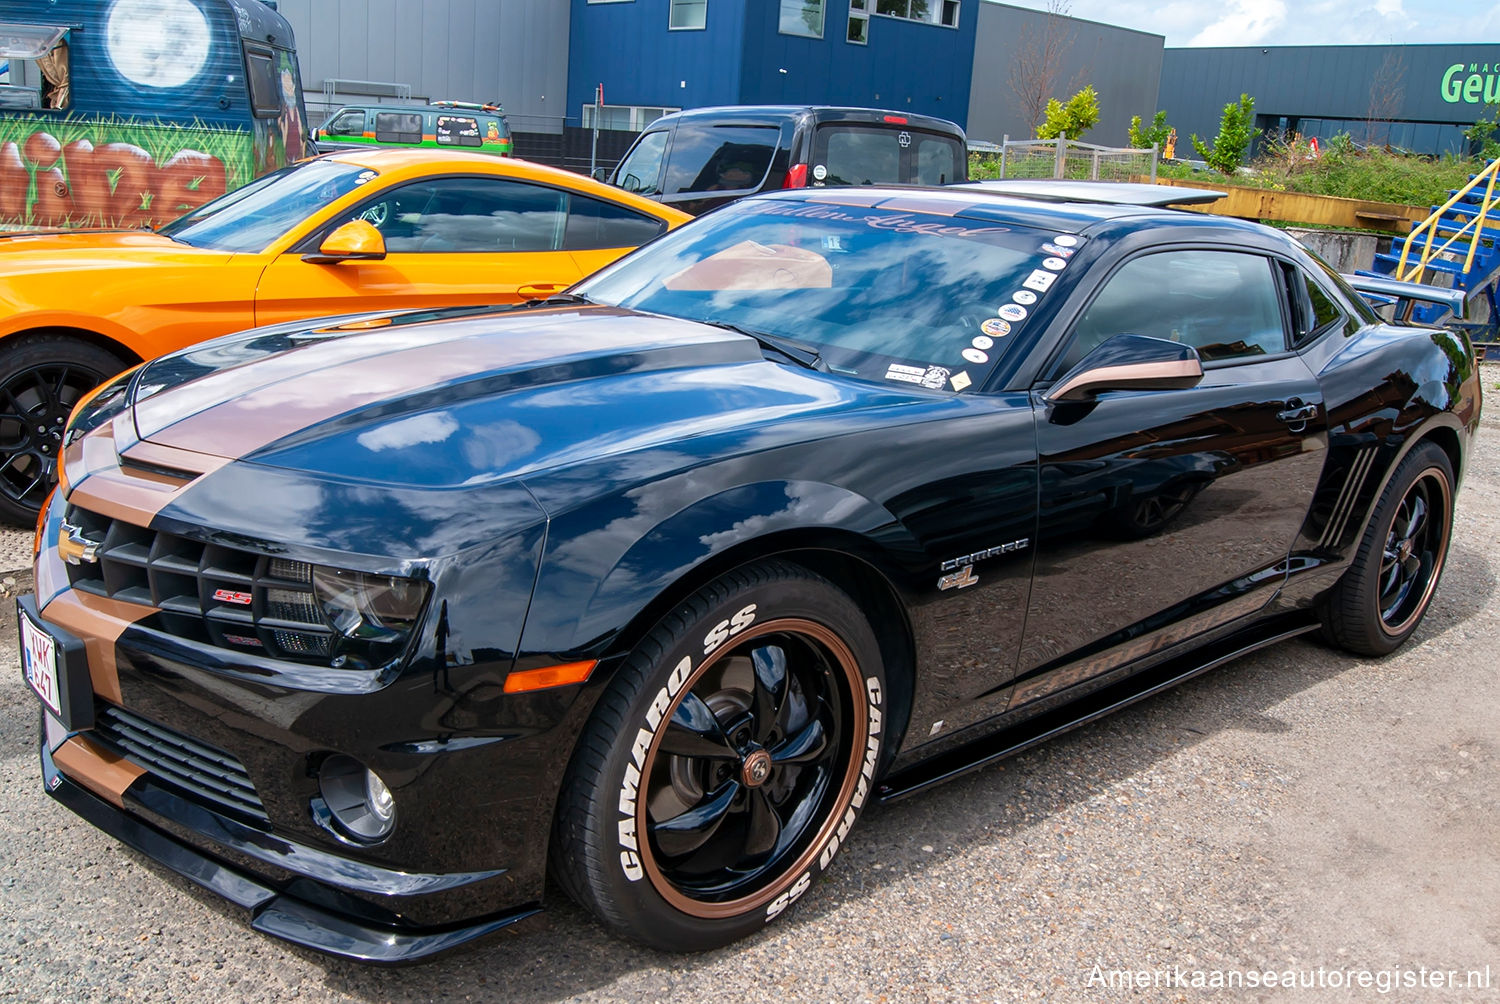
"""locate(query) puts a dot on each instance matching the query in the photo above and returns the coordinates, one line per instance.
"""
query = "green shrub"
(1157, 132)
(1236, 127)
(1078, 116)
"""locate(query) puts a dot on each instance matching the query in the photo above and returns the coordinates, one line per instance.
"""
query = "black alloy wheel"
(1389, 586)
(41, 379)
(726, 761)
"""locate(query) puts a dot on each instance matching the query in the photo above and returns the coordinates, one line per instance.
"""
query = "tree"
(1387, 88)
(1156, 133)
(1078, 116)
(1236, 128)
(1481, 135)
(1036, 62)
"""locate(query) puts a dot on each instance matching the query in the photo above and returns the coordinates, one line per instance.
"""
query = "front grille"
(200, 772)
(206, 592)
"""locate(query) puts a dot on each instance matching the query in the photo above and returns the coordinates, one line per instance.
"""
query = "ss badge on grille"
(73, 547)
(230, 596)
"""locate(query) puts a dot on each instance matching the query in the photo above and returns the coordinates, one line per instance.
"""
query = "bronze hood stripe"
(133, 486)
(99, 621)
(97, 769)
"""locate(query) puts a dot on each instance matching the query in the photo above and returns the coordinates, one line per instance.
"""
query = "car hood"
(476, 396)
(44, 251)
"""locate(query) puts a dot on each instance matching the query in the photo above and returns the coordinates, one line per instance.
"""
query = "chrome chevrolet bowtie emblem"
(73, 547)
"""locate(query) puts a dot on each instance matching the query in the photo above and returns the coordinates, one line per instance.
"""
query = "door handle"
(1298, 413)
(540, 290)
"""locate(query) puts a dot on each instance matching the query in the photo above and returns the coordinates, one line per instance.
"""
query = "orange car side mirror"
(356, 240)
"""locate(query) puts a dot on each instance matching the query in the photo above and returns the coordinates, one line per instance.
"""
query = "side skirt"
(1031, 731)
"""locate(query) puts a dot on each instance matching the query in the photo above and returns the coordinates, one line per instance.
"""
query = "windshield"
(880, 293)
(248, 219)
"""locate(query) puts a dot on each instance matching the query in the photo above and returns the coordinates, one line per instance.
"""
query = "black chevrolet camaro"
(371, 624)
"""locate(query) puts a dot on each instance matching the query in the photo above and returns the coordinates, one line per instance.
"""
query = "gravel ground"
(1298, 809)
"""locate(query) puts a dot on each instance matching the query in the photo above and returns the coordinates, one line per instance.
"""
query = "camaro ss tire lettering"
(866, 777)
(727, 629)
(630, 862)
(786, 899)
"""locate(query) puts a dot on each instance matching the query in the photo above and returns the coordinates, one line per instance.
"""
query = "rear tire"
(1385, 593)
(42, 376)
(725, 762)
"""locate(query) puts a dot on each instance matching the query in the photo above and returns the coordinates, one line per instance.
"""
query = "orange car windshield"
(248, 219)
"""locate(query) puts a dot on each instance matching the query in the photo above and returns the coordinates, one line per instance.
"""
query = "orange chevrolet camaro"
(336, 234)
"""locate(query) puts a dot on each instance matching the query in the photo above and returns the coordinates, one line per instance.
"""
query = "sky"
(1308, 22)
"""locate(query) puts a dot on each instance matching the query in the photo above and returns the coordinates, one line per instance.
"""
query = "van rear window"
(874, 155)
(720, 158)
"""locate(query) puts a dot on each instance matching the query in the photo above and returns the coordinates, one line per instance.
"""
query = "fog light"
(361, 803)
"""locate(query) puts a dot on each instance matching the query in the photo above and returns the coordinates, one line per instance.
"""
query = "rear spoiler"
(1395, 300)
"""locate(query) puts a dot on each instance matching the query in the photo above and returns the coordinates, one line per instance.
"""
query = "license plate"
(56, 668)
(39, 661)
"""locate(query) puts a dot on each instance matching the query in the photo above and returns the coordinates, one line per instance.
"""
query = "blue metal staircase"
(1462, 239)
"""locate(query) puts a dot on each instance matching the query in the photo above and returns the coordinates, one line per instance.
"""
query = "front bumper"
(307, 911)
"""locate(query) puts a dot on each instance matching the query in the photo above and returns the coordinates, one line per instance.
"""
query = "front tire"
(1385, 593)
(42, 376)
(725, 762)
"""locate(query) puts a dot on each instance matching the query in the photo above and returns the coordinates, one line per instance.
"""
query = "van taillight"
(796, 177)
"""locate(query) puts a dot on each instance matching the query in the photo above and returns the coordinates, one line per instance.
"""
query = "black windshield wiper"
(798, 352)
(558, 300)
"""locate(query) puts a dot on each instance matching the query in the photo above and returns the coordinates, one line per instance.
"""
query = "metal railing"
(1065, 158)
(1430, 227)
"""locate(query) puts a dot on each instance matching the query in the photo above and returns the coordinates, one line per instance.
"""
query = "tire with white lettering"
(726, 761)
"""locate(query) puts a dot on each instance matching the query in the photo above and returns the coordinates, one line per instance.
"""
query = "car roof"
(1117, 192)
(978, 202)
(444, 109)
(778, 113)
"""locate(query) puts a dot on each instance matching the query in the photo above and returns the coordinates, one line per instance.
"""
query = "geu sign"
(1475, 88)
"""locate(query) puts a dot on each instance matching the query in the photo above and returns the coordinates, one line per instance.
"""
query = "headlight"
(373, 608)
(98, 406)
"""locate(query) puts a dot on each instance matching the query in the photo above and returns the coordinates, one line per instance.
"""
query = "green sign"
(1474, 86)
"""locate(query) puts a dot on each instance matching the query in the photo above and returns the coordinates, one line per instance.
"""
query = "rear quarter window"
(398, 127)
(708, 158)
(458, 130)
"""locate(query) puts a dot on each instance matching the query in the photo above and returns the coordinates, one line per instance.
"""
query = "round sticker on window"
(995, 327)
(975, 356)
(1055, 264)
(1065, 240)
(982, 341)
(1025, 296)
(1013, 312)
(820, 172)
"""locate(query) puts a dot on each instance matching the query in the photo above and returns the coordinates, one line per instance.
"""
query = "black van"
(696, 160)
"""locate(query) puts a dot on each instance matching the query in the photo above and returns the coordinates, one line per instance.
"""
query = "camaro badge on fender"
(958, 580)
(73, 547)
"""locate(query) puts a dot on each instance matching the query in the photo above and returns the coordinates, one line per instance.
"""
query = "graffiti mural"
(115, 173)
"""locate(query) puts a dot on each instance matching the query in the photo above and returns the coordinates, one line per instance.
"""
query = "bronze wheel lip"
(1441, 550)
(844, 660)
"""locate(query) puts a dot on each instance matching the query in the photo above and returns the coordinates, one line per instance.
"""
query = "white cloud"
(1247, 22)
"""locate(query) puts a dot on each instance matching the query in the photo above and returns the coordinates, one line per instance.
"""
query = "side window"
(457, 130)
(720, 158)
(467, 214)
(641, 168)
(398, 127)
(34, 67)
(593, 224)
(265, 95)
(351, 123)
(1223, 303)
(1313, 311)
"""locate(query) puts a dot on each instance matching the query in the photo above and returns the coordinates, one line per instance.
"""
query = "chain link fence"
(1061, 158)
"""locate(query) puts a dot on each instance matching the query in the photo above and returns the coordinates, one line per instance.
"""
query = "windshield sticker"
(1012, 312)
(1040, 281)
(935, 377)
(982, 342)
(1025, 296)
(1066, 240)
(901, 223)
(1056, 251)
(820, 172)
(960, 380)
(1055, 264)
(995, 327)
(906, 374)
(363, 177)
(975, 356)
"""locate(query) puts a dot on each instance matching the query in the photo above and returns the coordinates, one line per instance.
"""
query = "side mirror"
(356, 240)
(600, 174)
(1130, 362)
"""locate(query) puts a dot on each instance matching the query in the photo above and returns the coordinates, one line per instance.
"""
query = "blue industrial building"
(906, 55)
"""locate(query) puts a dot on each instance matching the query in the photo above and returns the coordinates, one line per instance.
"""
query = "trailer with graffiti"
(129, 113)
